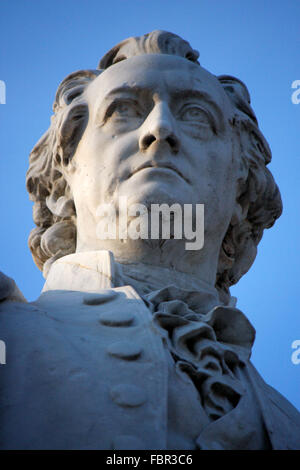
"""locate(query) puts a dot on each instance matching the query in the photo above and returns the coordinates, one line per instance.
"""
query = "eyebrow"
(126, 89)
(198, 94)
(176, 95)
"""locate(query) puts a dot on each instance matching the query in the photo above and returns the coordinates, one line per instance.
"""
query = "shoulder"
(9, 290)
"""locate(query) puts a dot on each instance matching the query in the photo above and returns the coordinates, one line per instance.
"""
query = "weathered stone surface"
(137, 343)
(9, 290)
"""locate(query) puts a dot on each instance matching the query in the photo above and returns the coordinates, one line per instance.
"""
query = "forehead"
(157, 73)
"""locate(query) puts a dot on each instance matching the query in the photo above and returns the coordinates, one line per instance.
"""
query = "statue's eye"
(124, 109)
(193, 113)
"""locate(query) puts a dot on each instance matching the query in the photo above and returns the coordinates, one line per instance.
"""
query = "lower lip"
(159, 170)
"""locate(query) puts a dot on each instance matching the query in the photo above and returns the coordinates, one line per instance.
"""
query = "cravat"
(208, 342)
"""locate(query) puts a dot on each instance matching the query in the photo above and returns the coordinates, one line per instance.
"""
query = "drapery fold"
(209, 346)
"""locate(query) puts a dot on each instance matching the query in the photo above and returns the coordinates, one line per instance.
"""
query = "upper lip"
(168, 166)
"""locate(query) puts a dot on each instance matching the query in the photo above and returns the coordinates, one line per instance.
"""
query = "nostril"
(172, 141)
(148, 140)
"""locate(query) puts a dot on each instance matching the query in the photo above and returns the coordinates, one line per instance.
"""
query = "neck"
(162, 256)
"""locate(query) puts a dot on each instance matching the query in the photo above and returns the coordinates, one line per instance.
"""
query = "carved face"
(158, 132)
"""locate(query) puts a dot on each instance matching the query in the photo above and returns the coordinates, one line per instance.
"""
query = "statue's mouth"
(154, 166)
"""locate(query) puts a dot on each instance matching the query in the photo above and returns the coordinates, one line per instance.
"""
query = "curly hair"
(54, 212)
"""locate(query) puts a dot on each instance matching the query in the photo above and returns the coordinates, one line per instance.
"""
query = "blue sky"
(259, 42)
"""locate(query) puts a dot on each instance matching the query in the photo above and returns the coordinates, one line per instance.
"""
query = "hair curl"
(54, 213)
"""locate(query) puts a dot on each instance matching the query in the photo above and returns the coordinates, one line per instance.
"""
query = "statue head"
(152, 124)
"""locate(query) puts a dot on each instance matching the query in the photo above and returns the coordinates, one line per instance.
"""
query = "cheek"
(223, 169)
(110, 141)
(99, 163)
(109, 152)
(216, 172)
(214, 162)
(85, 178)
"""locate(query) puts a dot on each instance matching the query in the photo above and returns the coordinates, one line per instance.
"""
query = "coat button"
(125, 442)
(98, 299)
(116, 318)
(124, 350)
(128, 395)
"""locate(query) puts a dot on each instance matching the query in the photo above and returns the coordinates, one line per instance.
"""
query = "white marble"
(138, 344)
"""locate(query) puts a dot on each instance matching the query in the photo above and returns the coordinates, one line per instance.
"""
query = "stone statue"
(137, 343)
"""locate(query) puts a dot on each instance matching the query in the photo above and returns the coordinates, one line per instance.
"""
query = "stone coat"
(87, 368)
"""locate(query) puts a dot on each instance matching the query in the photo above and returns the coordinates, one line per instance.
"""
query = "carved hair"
(54, 214)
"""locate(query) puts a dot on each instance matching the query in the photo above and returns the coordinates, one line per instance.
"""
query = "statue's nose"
(158, 128)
